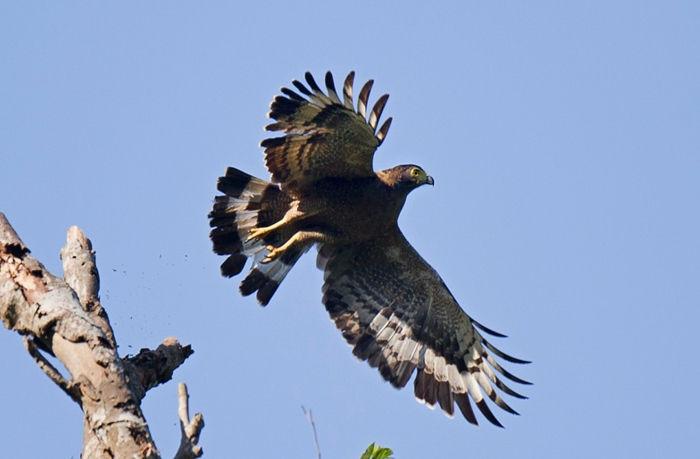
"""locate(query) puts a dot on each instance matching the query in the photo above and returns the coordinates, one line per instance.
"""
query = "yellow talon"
(257, 233)
(273, 255)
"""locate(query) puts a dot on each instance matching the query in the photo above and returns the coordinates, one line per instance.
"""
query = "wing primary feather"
(430, 390)
(503, 355)
(362, 99)
(486, 411)
(508, 390)
(465, 407)
(446, 398)
(272, 142)
(377, 111)
(501, 403)
(424, 388)
(506, 373)
(330, 86)
(300, 86)
(347, 91)
(491, 393)
(488, 330)
(381, 135)
(311, 82)
(500, 384)
(292, 95)
(282, 106)
(318, 96)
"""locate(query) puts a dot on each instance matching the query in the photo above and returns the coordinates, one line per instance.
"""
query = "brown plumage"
(391, 306)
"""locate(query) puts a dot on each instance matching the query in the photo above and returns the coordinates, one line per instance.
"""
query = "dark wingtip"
(488, 330)
(503, 355)
(312, 83)
(272, 142)
(466, 408)
(330, 84)
(300, 86)
(292, 95)
(486, 411)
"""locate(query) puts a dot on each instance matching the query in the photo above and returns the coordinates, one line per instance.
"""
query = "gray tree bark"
(64, 317)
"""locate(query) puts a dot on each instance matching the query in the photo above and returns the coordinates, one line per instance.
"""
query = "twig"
(310, 418)
(51, 371)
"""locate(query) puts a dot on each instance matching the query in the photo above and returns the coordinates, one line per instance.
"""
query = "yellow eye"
(415, 172)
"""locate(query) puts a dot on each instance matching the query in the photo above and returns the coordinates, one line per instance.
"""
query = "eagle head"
(414, 176)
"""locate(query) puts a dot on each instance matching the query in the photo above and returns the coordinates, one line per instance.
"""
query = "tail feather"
(248, 203)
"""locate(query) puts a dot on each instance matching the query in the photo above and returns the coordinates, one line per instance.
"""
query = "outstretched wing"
(397, 313)
(325, 137)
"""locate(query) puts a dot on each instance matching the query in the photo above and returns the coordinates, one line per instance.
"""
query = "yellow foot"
(258, 233)
(274, 253)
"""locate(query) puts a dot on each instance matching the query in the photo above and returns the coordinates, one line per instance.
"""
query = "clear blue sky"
(564, 138)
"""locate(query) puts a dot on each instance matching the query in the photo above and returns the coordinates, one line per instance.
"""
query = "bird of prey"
(391, 306)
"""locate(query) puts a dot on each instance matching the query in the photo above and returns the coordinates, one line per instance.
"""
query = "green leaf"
(377, 452)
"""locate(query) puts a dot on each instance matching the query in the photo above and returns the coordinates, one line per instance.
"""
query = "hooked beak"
(429, 180)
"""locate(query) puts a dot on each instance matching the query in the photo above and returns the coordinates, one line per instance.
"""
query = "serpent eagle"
(391, 306)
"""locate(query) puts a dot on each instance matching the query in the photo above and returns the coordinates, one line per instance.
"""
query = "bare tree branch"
(189, 449)
(80, 272)
(66, 320)
(148, 368)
